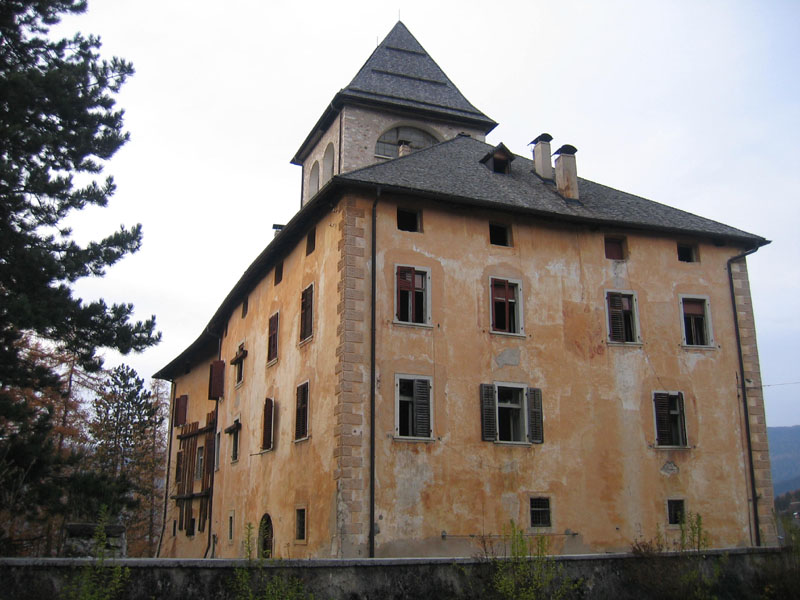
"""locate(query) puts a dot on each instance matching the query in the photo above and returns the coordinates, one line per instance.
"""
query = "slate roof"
(401, 75)
(452, 171)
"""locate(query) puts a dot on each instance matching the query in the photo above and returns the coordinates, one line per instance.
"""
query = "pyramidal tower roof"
(401, 75)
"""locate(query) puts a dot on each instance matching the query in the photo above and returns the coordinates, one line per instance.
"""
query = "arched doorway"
(265, 540)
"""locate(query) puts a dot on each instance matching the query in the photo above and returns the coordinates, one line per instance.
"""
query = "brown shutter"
(684, 441)
(269, 415)
(216, 380)
(488, 413)
(306, 313)
(616, 319)
(405, 283)
(422, 408)
(272, 345)
(535, 416)
(694, 307)
(181, 403)
(663, 431)
(301, 415)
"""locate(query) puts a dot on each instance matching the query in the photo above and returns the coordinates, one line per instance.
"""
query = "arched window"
(327, 164)
(265, 540)
(313, 180)
(389, 143)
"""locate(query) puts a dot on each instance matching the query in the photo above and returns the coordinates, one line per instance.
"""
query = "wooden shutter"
(616, 319)
(535, 416)
(488, 413)
(306, 313)
(272, 346)
(301, 415)
(681, 422)
(422, 408)
(181, 403)
(663, 431)
(269, 419)
(405, 283)
(216, 380)
(694, 307)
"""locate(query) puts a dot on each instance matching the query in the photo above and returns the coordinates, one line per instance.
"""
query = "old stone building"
(447, 337)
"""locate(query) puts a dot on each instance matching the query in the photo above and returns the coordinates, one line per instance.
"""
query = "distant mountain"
(784, 454)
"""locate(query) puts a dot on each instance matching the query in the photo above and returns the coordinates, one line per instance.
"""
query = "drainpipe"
(169, 470)
(744, 396)
(372, 380)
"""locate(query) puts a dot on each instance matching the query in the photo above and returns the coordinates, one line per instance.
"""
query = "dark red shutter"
(301, 416)
(614, 249)
(216, 380)
(663, 430)
(181, 403)
(405, 283)
(272, 349)
(535, 416)
(306, 313)
(488, 413)
(269, 414)
(616, 319)
(694, 307)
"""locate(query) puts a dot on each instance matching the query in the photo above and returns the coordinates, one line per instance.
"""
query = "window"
(216, 380)
(244, 307)
(233, 431)
(408, 220)
(301, 413)
(413, 414)
(268, 424)
(181, 405)
(300, 525)
(412, 299)
(696, 321)
(198, 469)
(622, 319)
(676, 512)
(278, 273)
(307, 313)
(615, 248)
(272, 339)
(389, 143)
(540, 512)
(313, 180)
(511, 412)
(506, 306)
(265, 537)
(687, 253)
(238, 363)
(670, 419)
(231, 516)
(499, 235)
(311, 241)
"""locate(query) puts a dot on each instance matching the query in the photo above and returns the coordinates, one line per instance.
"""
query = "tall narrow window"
(198, 469)
(244, 307)
(307, 313)
(327, 164)
(265, 537)
(670, 419)
(311, 241)
(233, 431)
(268, 425)
(272, 339)
(231, 516)
(506, 306)
(412, 295)
(278, 273)
(216, 380)
(622, 327)
(313, 180)
(216, 450)
(696, 322)
(413, 406)
(181, 407)
(675, 512)
(300, 525)
(238, 363)
(301, 413)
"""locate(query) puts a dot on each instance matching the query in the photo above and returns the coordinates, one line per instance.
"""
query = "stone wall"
(736, 573)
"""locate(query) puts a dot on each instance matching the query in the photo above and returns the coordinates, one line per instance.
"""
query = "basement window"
(499, 235)
(676, 512)
(198, 469)
(687, 253)
(409, 220)
(540, 512)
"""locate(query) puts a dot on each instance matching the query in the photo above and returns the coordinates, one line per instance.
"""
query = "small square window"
(687, 253)
(300, 525)
(540, 512)
(311, 241)
(408, 220)
(676, 512)
(615, 248)
(499, 235)
(278, 273)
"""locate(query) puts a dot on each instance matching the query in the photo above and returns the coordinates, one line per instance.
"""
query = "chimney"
(541, 156)
(567, 172)
(277, 228)
(403, 148)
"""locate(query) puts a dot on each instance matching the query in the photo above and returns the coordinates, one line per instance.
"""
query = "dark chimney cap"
(566, 149)
(277, 227)
(544, 137)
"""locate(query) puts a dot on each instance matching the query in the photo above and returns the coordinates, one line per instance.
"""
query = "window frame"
(307, 314)
(549, 512)
(427, 301)
(272, 338)
(708, 329)
(507, 229)
(519, 310)
(418, 215)
(623, 246)
(199, 463)
(532, 409)
(693, 250)
(678, 523)
(237, 362)
(307, 414)
(681, 415)
(635, 324)
(298, 510)
(234, 430)
(415, 378)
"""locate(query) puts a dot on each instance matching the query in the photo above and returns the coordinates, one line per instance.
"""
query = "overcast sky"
(693, 104)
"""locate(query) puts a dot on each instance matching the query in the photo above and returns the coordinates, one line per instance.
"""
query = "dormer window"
(498, 159)
(410, 138)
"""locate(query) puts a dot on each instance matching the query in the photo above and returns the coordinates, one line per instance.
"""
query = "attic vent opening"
(498, 159)
(410, 139)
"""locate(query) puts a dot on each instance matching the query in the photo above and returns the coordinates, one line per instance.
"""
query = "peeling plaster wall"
(607, 482)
